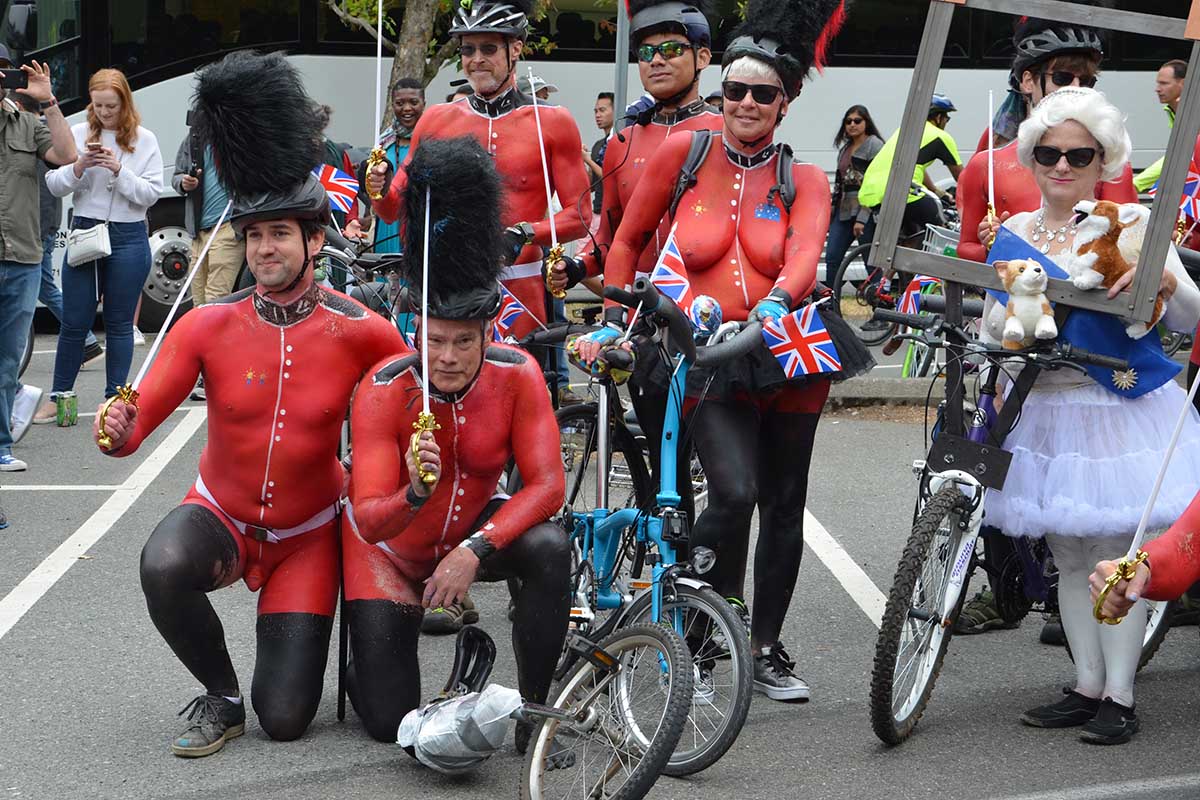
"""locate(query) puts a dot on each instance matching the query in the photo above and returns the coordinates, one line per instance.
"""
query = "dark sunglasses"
(667, 50)
(763, 93)
(1064, 77)
(855, 121)
(469, 50)
(1078, 157)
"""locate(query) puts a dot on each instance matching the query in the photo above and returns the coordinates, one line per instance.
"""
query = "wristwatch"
(527, 229)
(51, 103)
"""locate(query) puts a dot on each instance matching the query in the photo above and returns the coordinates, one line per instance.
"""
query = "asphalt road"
(88, 691)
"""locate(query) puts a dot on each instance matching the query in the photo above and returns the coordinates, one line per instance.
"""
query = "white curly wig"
(1089, 108)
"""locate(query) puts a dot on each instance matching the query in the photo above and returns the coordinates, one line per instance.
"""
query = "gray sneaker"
(212, 721)
(451, 618)
(774, 675)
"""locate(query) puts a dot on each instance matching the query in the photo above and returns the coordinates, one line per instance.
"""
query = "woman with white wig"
(1085, 457)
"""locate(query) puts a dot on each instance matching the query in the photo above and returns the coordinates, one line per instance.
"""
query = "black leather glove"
(576, 271)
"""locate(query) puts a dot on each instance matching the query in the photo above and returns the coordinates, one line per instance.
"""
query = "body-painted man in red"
(491, 35)
(1050, 55)
(417, 544)
(280, 362)
(750, 231)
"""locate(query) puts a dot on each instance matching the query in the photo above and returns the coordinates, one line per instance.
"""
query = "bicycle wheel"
(1158, 622)
(628, 475)
(625, 720)
(27, 354)
(913, 637)
(724, 675)
(857, 309)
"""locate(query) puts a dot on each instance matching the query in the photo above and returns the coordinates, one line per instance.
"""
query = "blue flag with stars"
(1149, 367)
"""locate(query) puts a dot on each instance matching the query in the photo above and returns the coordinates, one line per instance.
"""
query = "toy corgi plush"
(1028, 315)
(1098, 260)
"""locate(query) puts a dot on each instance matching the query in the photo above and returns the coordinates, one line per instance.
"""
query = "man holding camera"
(23, 140)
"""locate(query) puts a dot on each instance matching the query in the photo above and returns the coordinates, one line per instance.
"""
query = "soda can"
(67, 407)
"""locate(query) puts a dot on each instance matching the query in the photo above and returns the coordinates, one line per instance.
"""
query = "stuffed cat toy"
(1098, 260)
(1028, 315)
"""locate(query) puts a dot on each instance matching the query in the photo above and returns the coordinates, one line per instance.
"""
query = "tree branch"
(442, 55)
(352, 21)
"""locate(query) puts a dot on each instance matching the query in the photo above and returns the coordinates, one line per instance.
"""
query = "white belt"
(516, 271)
(348, 510)
(273, 535)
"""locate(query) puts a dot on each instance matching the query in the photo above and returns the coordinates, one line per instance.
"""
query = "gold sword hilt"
(126, 394)
(1125, 571)
(374, 159)
(556, 254)
(426, 422)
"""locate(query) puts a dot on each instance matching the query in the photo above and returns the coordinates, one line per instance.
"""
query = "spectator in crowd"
(537, 86)
(462, 91)
(23, 140)
(857, 141)
(205, 198)
(1168, 85)
(595, 158)
(117, 178)
(716, 100)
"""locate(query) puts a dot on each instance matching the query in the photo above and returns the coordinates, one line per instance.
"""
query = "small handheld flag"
(801, 344)
(670, 275)
(910, 301)
(511, 310)
(341, 188)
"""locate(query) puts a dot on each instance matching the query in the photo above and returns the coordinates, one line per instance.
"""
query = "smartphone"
(14, 79)
(94, 146)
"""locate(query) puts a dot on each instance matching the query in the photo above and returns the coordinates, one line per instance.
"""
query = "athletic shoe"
(1072, 710)
(451, 618)
(47, 413)
(980, 615)
(92, 352)
(568, 398)
(3, 520)
(719, 648)
(774, 675)
(198, 393)
(703, 692)
(213, 720)
(139, 338)
(9, 463)
(1113, 724)
(24, 407)
(1053, 633)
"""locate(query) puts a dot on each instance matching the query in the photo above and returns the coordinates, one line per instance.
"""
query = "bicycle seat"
(474, 657)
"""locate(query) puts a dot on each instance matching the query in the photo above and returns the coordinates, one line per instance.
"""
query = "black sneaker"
(1113, 724)
(1074, 709)
(213, 721)
(92, 352)
(774, 675)
(1052, 632)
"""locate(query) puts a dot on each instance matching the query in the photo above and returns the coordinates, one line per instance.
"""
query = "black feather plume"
(465, 240)
(259, 121)
(802, 29)
(706, 6)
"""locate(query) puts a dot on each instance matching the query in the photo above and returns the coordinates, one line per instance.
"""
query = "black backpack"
(785, 183)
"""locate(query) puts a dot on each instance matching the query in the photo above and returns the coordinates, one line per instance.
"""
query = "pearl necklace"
(1040, 230)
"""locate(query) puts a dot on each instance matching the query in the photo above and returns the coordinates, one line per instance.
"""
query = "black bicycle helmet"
(1037, 40)
(307, 201)
(648, 17)
(505, 17)
(792, 36)
(465, 239)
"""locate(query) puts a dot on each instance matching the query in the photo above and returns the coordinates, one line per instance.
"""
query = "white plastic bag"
(454, 736)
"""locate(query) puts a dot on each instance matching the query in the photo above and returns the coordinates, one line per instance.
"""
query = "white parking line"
(858, 585)
(46, 487)
(1125, 790)
(26, 593)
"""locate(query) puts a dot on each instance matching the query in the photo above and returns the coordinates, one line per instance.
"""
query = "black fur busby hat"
(265, 135)
(505, 17)
(792, 36)
(465, 238)
(689, 17)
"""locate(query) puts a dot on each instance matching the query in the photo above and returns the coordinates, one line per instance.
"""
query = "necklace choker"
(750, 162)
(299, 309)
(1040, 231)
(498, 107)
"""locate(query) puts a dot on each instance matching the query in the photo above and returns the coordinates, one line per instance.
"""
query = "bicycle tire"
(1156, 631)
(655, 751)
(705, 600)
(27, 354)
(869, 337)
(942, 510)
(632, 475)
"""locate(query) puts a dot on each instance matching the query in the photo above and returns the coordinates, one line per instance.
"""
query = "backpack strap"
(697, 152)
(785, 180)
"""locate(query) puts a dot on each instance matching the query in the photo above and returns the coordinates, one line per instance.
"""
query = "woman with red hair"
(117, 178)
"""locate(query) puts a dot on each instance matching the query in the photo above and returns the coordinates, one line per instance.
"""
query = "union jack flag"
(801, 344)
(670, 275)
(341, 188)
(511, 310)
(1189, 204)
(910, 301)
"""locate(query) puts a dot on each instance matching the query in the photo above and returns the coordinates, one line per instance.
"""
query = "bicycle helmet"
(791, 36)
(505, 17)
(465, 240)
(648, 17)
(307, 201)
(1037, 40)
(941, 104)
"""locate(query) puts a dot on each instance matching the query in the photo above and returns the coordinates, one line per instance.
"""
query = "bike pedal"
(918, 467)
(581, 614)
(637, 584)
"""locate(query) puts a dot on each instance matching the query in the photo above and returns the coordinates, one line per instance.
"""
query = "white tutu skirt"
(1085, 461)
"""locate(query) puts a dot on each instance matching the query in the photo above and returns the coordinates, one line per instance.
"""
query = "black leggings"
(385, 683)
(755, 458)
(190, 554)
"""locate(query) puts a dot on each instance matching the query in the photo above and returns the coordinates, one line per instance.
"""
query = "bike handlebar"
(620, 296)
(1078, 354)
(917, 321)
(1190, 259)
(555, 333)
(936, 304)
(618, 358)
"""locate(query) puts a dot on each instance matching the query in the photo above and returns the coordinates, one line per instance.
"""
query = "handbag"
(85, 245)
